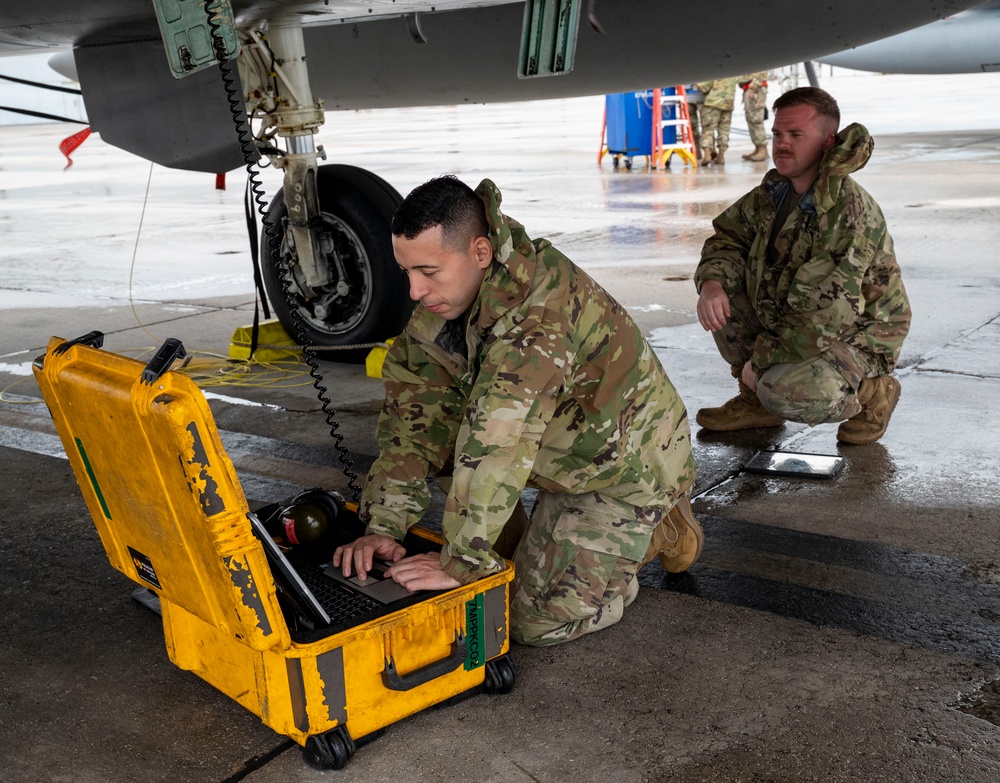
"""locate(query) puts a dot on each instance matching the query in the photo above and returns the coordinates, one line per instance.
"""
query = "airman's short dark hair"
(444, 201)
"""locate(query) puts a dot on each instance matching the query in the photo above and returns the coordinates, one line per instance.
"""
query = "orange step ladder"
(683, 145)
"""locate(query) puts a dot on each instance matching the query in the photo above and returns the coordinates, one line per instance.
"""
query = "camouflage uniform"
(717, 113)
(695, 100)
(829, 309)
(754, 105)
(547, 384)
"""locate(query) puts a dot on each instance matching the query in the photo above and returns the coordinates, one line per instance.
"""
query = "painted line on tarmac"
(241, 448)
(32, 441)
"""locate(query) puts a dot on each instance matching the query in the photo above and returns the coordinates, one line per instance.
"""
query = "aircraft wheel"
(370, 301)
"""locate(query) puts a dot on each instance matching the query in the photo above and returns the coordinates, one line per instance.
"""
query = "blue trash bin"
(629, 124)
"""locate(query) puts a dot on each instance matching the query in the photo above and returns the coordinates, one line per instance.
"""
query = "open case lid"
(163, 494)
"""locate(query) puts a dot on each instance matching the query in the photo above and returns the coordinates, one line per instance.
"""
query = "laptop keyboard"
(343, 606)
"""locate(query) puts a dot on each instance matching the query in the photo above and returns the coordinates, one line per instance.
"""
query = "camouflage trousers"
(820, 390)
(715, 128)
(694, 113)
(753, 107)
(575, 565)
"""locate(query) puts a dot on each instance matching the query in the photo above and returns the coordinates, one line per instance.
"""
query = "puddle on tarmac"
(984, 703)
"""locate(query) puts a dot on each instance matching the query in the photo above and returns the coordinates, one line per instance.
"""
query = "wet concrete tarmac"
(841, 630)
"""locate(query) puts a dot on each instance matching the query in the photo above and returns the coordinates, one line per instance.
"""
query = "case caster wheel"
(329, 751)
(500, 675)
(628, 164)
(614, 161)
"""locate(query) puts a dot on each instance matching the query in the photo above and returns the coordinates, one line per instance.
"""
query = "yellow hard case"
(172, 516)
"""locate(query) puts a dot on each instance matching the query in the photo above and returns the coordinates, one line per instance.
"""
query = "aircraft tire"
(356, 208)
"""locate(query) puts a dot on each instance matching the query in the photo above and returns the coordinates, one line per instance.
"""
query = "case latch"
(93, 339)
(171, 349)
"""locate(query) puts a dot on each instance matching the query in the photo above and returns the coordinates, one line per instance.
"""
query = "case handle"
(94, 339)
(397, 682)
(171, 349)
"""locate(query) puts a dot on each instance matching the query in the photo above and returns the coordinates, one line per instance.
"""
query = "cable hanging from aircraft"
(72, 142)
(42, 85)
(43, 115)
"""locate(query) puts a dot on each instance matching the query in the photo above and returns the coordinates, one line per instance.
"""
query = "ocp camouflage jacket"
(719, 94)
(560, 391)
(835, 277)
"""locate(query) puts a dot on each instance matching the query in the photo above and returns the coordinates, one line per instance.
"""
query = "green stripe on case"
(93, 478)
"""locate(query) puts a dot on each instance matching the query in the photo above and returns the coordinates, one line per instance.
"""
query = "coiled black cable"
(247, 147)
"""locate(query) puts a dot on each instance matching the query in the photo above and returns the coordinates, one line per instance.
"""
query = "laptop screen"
(287, 579)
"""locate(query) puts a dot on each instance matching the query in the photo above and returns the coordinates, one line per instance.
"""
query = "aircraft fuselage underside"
(301, 58)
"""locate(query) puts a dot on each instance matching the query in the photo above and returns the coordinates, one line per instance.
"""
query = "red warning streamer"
(70, 143)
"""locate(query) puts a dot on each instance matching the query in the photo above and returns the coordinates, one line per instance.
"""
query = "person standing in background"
(755, 108)
(716, 117)
(695, 99)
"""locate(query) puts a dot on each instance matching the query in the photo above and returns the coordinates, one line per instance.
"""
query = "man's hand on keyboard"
(358, 556)
(422, 572)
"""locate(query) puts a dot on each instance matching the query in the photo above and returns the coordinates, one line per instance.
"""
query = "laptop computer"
(317, 596)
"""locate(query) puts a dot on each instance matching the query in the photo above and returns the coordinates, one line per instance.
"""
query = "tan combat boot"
(706, 156)
(677, 540)
(742, 412)
(878, 398)
(719, 159)
(759, 154)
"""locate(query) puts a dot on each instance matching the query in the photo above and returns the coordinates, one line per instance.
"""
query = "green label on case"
(475, 633)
